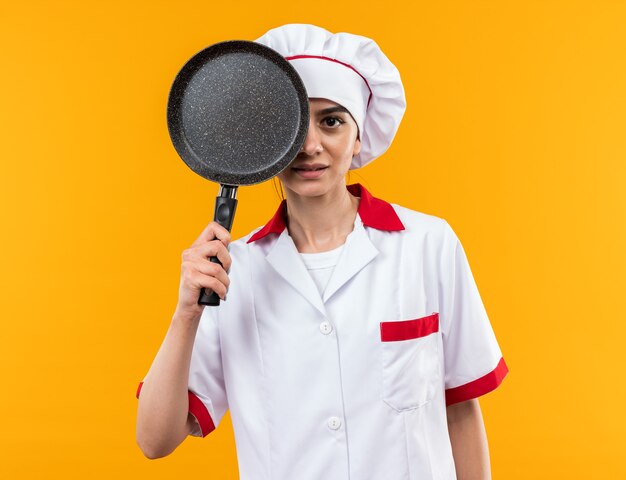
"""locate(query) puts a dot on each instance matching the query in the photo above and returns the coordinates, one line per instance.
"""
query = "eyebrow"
(338, 108)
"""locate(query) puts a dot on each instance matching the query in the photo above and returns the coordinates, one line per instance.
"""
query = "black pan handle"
(225, 205)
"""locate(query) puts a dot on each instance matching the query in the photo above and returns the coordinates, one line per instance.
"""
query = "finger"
(223, 255)
(194, 280)
(212, 269)
(212, 231)
(210, 282)
(213, 248)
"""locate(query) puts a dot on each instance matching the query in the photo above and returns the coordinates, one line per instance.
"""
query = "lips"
(312, 167)
(310, 172)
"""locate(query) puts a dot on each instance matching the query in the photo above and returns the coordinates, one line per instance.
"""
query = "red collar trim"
(374, 212)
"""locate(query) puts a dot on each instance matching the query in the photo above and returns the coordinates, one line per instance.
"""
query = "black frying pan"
(237, 114)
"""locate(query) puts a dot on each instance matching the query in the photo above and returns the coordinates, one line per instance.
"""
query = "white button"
(326, 328)
(334, 423)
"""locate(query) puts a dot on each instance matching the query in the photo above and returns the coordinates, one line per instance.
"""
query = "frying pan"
(237, 114)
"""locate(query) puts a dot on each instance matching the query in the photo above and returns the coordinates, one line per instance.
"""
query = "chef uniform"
(346, 372)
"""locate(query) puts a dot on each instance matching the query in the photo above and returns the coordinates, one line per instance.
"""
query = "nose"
(312, 142)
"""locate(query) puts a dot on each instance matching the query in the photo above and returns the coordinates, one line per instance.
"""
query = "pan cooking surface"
(235, 116)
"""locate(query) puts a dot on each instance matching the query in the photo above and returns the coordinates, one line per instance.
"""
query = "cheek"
(349, 154)
(342, 148)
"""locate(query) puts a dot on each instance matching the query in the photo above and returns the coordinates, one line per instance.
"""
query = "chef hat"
(350, 70)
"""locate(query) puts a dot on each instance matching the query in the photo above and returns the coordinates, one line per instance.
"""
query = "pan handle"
(225, 205)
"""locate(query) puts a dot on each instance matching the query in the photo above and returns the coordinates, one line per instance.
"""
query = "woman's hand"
(197, 271)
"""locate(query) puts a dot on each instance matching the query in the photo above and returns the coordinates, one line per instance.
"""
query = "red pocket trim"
(407, 329)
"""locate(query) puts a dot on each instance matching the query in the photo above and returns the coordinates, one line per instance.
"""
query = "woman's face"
(325, 158)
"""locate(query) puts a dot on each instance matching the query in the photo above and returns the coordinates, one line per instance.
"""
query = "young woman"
(353, 342)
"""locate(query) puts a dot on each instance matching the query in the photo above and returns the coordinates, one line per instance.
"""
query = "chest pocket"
(410, 361)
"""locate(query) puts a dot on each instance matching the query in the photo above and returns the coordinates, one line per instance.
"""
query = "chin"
(309, 189)
(312, 188)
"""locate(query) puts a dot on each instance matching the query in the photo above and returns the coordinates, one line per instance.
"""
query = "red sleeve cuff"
(478, 387)
(197, 409)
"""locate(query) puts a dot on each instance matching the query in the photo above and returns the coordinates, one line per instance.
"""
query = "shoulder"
(241, 249)
(422, 224)
(242, 242)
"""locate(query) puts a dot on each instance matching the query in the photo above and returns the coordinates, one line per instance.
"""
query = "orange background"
(515, 133)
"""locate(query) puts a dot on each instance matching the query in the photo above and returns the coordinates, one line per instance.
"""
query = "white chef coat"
(354, 383)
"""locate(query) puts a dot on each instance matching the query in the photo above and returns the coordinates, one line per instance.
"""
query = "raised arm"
(163, 418)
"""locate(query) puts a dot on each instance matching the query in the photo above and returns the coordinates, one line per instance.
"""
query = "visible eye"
(332, 122)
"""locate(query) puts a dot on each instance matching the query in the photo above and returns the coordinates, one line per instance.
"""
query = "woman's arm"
(163, 421)
(469, 441)
(163, 418)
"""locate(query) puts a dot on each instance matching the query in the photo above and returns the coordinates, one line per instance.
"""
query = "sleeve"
(473, 361)
(206, 390)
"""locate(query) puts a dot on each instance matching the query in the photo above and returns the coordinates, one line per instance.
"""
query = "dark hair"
(280, 194)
